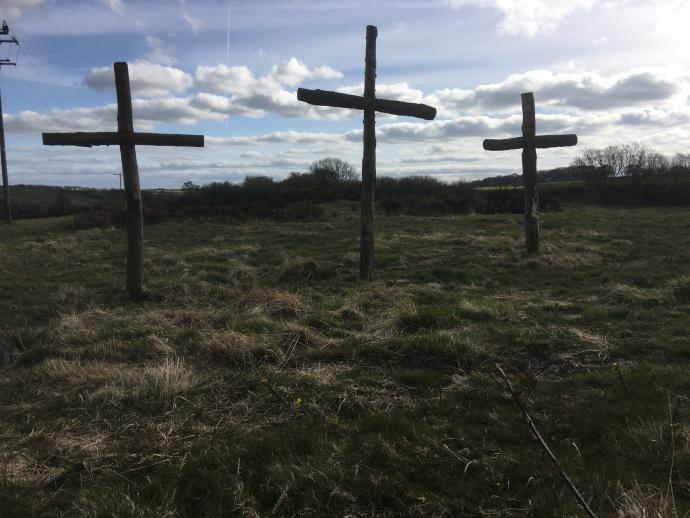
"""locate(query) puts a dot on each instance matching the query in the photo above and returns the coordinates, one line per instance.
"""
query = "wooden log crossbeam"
(538, 142)
(369, 104)
(529, 143)
(121, 139)
(356, 102)
(127, 139)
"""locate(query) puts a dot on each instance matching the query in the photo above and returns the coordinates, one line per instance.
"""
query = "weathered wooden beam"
(505, 144)
(333, 99)
(539, 142)
(130, 170)
(366, 262)
(548, 141)
(119, 139)
(529, 175)
(421, 111)
(356, 102)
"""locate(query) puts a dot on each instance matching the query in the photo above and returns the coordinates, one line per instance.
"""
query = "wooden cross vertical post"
(370, 104)
(529, 142)
(366, 246)
(127, 139)
(130, 173)
(529, 175)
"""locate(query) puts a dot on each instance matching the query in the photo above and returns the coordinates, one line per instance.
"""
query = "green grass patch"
(261, 378)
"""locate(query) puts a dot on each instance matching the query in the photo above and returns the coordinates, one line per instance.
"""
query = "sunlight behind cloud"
(528, 17)
(673, 20)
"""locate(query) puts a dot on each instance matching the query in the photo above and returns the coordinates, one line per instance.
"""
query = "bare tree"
(658, 163)
(333, 170)
(681, 161)
(601, 166)
(593, 166)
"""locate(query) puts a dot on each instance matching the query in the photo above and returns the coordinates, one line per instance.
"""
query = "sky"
(612, 71)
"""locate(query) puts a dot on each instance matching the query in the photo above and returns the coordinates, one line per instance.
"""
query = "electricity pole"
(122, 198)
(3, 158)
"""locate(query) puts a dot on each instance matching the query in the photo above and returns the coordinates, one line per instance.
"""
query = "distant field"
(44, 196)
(542, 186)
(261, 378)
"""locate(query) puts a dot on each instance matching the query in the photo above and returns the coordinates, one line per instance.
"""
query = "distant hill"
(560, 174)
(35, 201)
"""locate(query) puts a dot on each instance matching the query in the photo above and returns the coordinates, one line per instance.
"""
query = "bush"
(97, 218)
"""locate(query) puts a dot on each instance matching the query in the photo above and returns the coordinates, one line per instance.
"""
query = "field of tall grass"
(261, 378)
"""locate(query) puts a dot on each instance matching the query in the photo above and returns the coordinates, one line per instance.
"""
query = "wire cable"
(31, 87)
(37, 72)
(43, 81)
(18, 91)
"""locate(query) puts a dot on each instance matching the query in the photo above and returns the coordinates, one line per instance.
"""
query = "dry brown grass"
(644, 501)
(298, 269)
(162, 383)
(381, 307)
(276, 304)
(20, 470)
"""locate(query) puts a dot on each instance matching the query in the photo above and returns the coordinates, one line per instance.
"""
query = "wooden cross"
(529, 142)
(127, 139)
(370, 105)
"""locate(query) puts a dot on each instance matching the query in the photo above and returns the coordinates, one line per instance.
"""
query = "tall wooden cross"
(529, 142)
(370, 105)
(127, 139)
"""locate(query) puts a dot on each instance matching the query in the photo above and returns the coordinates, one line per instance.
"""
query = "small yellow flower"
(298, 402)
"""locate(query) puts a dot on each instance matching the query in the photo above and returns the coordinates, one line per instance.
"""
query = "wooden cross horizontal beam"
(539, 142)
(121, 139)
(356, 102)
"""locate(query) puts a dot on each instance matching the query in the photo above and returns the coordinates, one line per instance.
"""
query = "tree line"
(615, 175)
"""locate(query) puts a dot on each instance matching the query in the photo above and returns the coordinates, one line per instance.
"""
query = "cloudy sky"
(612, 71)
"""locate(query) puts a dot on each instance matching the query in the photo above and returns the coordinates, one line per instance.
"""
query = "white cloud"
(267, 94)
(580, 90)
(565, 88)
(450, 132)
(236, 80)
(396, 92)
(294, 72)
(12, 8)
(147, 79)
(116, 5)
(528, 16)
(159, 53)
(196, 24)
(240, 80)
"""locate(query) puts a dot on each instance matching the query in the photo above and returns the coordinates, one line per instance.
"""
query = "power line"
(40, 76)
(10, 81)
(28, 83)
(45, 84)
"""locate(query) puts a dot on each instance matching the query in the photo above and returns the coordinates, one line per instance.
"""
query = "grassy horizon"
(261, 378)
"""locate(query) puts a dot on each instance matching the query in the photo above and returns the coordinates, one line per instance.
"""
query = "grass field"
(261, 378)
